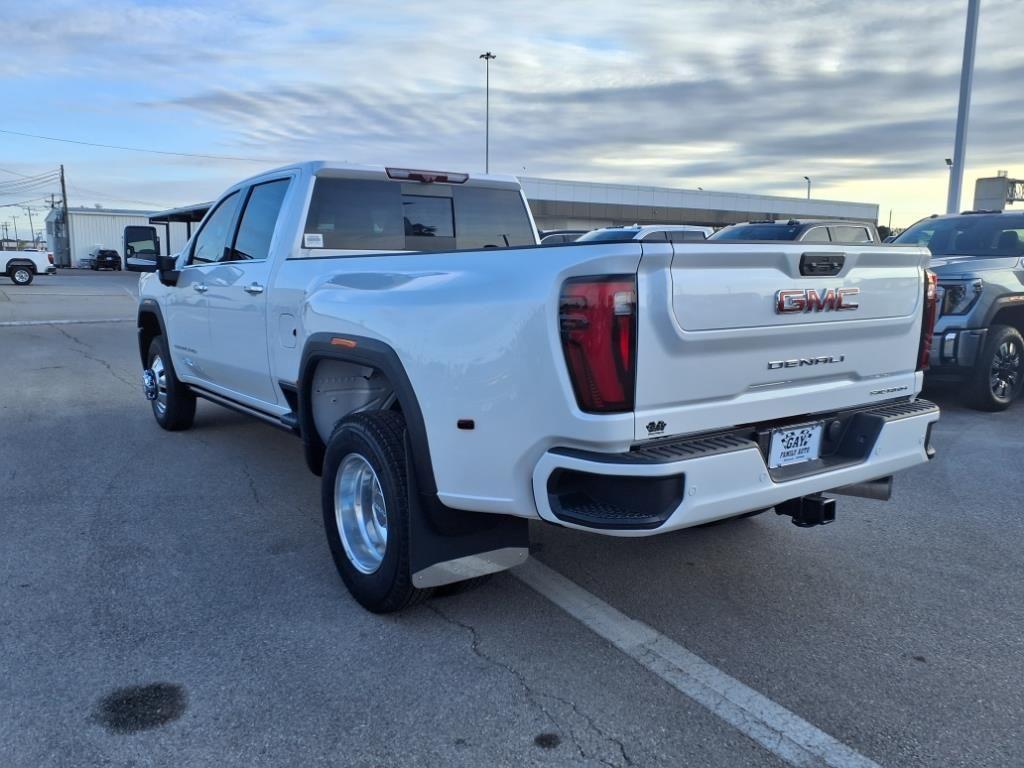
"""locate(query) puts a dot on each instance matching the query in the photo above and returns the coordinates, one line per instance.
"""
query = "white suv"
(673, 233)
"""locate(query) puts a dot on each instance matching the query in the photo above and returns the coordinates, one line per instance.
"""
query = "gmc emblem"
(809, 300)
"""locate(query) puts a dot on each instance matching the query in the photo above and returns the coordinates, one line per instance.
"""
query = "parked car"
(22, 266)
(104, 258)
(978, 332)
(450, 381)
(558, 236)
(673, 233)
(801, 230)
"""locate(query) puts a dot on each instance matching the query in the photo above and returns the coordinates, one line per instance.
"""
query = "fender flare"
(441, 537)
(1005, 301)
(372, 353)
(149, 307)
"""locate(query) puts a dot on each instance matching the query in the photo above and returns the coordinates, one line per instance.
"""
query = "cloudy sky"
(749, 95)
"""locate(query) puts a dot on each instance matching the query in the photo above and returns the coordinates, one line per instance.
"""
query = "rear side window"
(685, 236)
(815, 235)
(363, 215)
(258, 221)
(849, 234)
(656, 236)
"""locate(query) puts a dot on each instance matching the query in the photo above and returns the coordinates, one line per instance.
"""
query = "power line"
(135, 149)
(25, 176)
(95, 193)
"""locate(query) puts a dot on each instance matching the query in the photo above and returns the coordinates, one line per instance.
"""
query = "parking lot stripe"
(771, 725)
(15, 323)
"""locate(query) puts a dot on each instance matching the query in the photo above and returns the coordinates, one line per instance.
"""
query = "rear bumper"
(51, 270)
(667, 486)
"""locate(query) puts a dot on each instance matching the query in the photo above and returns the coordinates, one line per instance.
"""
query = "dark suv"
(801, 230)
(979, 258)
(104, 258)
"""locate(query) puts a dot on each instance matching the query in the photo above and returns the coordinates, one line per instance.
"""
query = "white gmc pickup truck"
(451, 380)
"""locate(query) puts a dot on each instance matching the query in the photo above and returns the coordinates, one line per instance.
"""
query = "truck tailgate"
(714, 350)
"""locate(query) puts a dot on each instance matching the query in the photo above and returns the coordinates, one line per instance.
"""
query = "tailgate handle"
(821, 264)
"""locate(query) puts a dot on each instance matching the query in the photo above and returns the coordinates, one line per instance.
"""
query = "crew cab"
(22, 266)
(451, 380)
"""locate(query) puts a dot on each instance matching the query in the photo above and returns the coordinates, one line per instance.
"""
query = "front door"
(237, 298)
(187, 316)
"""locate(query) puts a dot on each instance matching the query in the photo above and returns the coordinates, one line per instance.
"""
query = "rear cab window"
(372, 215)
(850, 234)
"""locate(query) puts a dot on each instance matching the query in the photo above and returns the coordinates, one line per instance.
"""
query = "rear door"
(736, 333)
(237, 296)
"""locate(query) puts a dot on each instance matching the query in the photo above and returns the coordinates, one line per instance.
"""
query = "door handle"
(253, 288)
(199, 287)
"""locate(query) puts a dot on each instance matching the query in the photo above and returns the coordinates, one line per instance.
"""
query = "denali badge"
(809, 300)
(655, 427)
(800, 362)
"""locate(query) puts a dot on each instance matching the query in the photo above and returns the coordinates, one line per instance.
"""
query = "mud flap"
(448, 545)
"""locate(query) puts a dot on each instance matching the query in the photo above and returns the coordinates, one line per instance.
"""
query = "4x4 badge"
(655, 427)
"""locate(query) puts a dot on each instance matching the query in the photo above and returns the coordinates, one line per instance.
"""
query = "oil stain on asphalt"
(141, 707)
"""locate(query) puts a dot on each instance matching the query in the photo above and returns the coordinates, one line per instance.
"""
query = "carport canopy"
(187, 214)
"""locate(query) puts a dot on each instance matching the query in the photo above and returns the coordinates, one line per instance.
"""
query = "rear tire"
(20, 274)
(175, 406)
(364, 494)
(999, 374)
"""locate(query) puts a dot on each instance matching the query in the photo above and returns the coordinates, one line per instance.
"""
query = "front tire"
(175, 406)
(365, 499)
(999, 374)
(21, 275)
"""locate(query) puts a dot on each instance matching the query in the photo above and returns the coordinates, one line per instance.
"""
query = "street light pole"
(487, 113)
(808, 180)
(956, 174)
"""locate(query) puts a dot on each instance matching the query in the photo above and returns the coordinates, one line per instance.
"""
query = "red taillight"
(924, 349)
(50, 257)
(597, 316)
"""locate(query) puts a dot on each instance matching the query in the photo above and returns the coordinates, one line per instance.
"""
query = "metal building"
(587, 205)
(92, 227)
(556, 204)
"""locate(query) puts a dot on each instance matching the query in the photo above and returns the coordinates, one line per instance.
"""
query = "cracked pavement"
(134, 557)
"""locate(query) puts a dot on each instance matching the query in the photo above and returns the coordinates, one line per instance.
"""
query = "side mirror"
(166, 267)
(129, 251)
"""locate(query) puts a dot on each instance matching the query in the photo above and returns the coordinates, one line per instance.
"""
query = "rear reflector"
(427, 177)
(597, 317)
(924, 349)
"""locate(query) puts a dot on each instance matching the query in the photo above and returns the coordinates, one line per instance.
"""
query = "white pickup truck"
(22, 266)
(451, 380)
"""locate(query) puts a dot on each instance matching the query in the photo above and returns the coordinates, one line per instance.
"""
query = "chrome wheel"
(1006, 370)
(360, 513)
(160, 374)
(22, 275)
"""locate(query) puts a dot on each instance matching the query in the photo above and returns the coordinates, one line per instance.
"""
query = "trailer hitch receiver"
(808, 511)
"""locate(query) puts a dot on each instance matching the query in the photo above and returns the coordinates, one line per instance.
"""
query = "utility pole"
(16, 238)
(487, 57)
(31, 228)
(956, 171)
(67, 220)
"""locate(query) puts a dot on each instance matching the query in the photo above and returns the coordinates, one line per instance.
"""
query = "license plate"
(795, 445)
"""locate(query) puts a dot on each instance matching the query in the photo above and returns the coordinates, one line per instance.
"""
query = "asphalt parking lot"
(193, 565)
